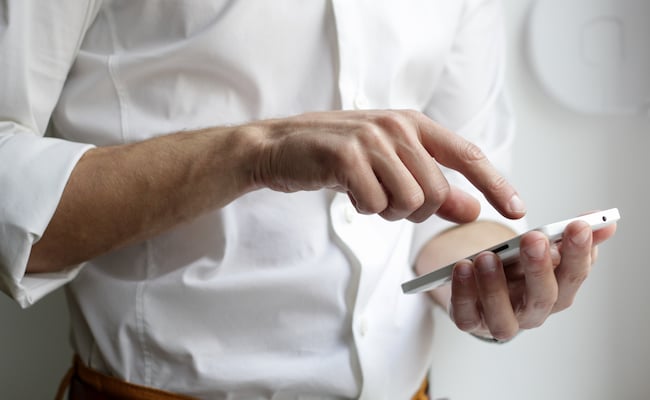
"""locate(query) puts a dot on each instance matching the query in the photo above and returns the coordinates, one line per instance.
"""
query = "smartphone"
(508, 251)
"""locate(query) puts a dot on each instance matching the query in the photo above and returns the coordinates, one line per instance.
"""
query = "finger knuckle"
(390, 214)
(542, 305)
(576, 279)
(468, 324)
(472, 152)
(372, 206)
(412, 113)
(563, 304)
(498, 184)
(539, 271)
(462, 303)
(416, 217)
(490, 296)
(504, 332)
(412, 200)
(388, 118)
(369, 134)
(436, 195)
(468, 319)
(348, 157)
(531, 324)
(395, 123)
(421, 215)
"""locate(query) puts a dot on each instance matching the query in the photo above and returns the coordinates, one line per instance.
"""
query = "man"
(226, 229)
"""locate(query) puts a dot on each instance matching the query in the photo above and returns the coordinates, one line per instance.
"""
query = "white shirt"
(275, 296)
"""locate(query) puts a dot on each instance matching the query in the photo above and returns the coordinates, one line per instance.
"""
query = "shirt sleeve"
(471, 100)
(38, 44)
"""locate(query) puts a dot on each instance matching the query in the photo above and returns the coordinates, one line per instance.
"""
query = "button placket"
(361, 102)
(363, 326)
(349, 213)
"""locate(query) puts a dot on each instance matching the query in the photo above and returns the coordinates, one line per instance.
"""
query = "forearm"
(122, 194)
(453, 245)
(119, 195)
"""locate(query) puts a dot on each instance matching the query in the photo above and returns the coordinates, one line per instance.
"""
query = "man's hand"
(489, 300)
(385, 160)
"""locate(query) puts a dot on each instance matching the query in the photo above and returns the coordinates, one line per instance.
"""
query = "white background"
(566, 164)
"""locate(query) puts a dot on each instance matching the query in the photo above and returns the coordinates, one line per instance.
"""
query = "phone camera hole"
(604, 218)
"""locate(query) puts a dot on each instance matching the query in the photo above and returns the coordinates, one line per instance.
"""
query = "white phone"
(508, 251)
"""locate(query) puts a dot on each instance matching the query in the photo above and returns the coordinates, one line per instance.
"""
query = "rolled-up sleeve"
(38, 44)
(471, 100)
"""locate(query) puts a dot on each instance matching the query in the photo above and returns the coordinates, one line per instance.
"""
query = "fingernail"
(516, 205)
(581, 238)
(536, 250)
(486, 263)
(463, 269)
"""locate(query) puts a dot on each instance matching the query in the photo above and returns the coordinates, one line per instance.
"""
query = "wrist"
(238, 152)
(257, 140)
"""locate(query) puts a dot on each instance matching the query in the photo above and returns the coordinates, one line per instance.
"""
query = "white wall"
(567, 164)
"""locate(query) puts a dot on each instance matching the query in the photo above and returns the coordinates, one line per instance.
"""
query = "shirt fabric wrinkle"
(184, 310)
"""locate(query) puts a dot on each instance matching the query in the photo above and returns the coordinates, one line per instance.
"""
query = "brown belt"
(87, 384)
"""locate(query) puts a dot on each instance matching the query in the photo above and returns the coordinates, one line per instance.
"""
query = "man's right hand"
(387, 162)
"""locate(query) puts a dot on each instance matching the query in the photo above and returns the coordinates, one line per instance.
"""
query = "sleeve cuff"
(34, 174)
(33, 287)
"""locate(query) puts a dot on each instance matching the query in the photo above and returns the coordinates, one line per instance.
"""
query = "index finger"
(455, 152)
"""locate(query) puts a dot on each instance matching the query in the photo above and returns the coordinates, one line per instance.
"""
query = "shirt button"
(361, 102)
(349, 213)
(363, 326)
